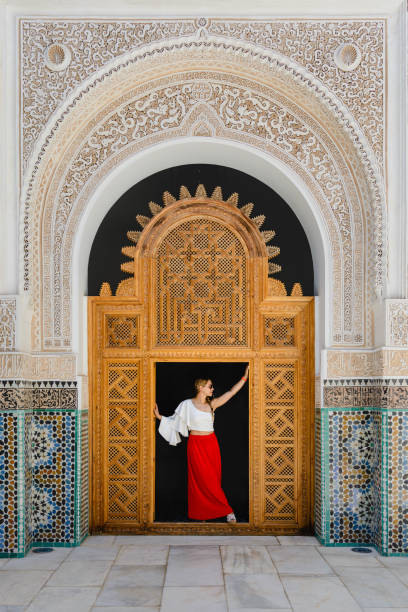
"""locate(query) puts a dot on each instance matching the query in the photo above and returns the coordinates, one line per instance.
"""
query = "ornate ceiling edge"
(280, 63)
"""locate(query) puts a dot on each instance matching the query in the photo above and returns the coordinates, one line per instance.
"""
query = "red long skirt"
(206, 499)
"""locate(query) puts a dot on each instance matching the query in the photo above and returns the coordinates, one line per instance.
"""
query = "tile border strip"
(77, 492)
(21, 492)
(384, 481)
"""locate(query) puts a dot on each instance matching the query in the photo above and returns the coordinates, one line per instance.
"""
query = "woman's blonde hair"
(201, 382)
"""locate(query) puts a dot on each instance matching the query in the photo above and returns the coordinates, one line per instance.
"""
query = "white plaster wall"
(205, 7)
(396, 160)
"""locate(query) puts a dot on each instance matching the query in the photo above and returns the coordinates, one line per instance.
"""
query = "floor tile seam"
(267, 574)
(146, 566)
(118, 551)
(349, 592)
(24, 569)
(223, 578)
(56, 588)
(390, 571)
(164, 577)
(193, 586)
(251, 573)
(70, 552)
(284, 573)
(357, 565)
(38, 591)
(72, 586)
(309, 575)
(56, 569)
(339, 568)
(331, 566)
(112, 563)
(382, 563)
(286, 592)
(398, 577)
(270, 556)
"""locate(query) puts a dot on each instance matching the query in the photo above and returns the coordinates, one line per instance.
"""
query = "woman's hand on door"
(156, 412)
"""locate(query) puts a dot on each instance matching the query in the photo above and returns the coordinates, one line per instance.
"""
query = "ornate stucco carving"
(37, 367)
(95, 43)
(133, 106)
(8, 306)
(397, 323)
(360, 364)
(347, 56)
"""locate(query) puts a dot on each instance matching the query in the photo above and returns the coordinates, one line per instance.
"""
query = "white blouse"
(185, 418)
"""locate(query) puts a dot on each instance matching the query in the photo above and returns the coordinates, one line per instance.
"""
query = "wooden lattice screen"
(280, 382)
(201, 286)
(123, 449)
(200, 294)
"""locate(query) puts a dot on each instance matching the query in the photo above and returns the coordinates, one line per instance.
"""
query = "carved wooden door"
(200, 292)
(286, 422)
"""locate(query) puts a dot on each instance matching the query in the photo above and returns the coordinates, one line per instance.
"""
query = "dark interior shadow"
(174, 383)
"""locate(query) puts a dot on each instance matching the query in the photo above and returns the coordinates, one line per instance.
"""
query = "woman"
(206, 499)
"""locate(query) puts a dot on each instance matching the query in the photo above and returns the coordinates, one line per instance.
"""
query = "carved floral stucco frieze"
(363, 364)
(37, 367)
(95, 43)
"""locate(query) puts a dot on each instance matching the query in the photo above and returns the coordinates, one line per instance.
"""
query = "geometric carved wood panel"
(279, 331)
(201, 286)
(122, 441)
(280, 440)
(122, 331)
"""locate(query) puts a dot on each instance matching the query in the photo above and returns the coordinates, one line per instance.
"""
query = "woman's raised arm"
(223, 399)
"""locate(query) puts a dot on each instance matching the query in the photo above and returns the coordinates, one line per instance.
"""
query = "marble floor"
(203, 574)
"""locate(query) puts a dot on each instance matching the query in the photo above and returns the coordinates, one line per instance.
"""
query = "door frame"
(148, 357)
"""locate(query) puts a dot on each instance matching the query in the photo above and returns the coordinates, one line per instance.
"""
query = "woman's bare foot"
(231, 518)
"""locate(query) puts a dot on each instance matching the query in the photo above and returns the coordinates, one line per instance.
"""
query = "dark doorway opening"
(174, 383)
